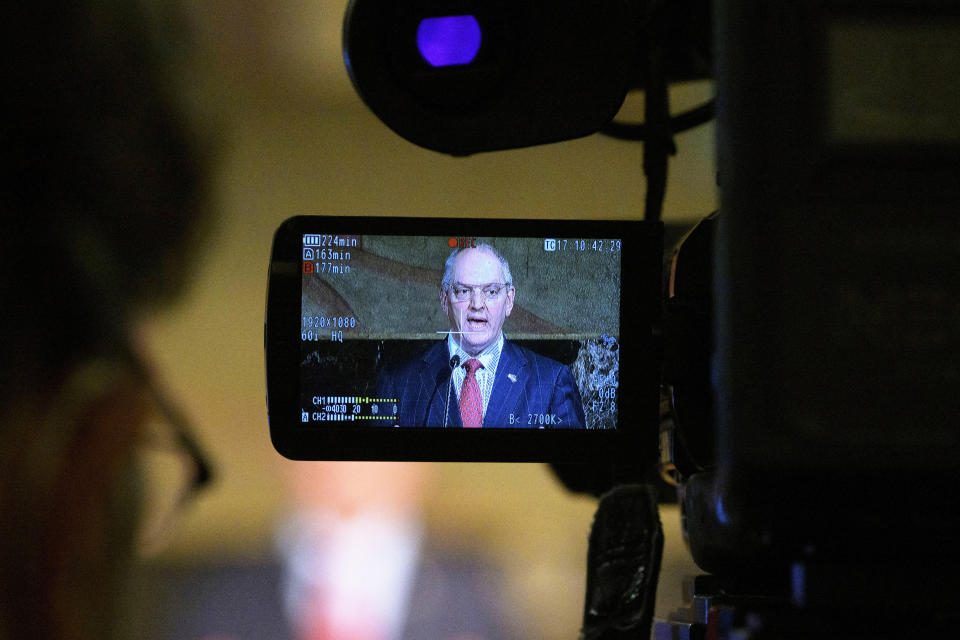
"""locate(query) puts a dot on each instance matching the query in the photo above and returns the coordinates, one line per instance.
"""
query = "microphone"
(454, 363)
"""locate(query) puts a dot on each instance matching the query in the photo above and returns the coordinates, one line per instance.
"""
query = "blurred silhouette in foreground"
(354, 561)
(102, 193)
(358, 564)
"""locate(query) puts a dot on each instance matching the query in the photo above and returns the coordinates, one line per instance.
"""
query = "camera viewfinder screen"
(460, 332)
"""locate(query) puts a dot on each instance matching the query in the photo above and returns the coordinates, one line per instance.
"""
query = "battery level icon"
(549, 244)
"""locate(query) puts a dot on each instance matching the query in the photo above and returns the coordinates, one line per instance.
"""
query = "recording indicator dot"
(452, 243)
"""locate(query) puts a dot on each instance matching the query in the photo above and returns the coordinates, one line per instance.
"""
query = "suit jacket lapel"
(506, 392)
(435, 380)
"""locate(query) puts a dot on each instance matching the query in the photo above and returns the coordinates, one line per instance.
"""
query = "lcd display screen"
(461, 339)
(391, 326)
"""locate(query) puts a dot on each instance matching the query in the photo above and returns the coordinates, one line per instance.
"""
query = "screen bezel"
(634, 441)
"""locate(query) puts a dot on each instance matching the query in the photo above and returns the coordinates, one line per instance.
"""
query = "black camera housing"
(545, 70)
(300, 369)
(837, 273)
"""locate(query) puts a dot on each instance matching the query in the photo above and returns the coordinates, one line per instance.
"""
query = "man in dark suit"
(475, 377)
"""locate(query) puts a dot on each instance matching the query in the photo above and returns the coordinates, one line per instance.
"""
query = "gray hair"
(447, 281)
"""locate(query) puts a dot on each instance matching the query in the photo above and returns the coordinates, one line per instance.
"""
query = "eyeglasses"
(166, 465)
(171, 466)
(490, 292)
(172, 471)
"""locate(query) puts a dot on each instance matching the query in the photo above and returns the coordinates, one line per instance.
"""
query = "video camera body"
(810, 330)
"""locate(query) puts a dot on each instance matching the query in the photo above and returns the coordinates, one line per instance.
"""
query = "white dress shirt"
(489, 358)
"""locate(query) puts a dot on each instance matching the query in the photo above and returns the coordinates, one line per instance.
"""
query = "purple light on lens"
(449, 40)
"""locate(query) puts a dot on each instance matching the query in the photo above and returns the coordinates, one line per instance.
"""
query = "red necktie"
(471, 405)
